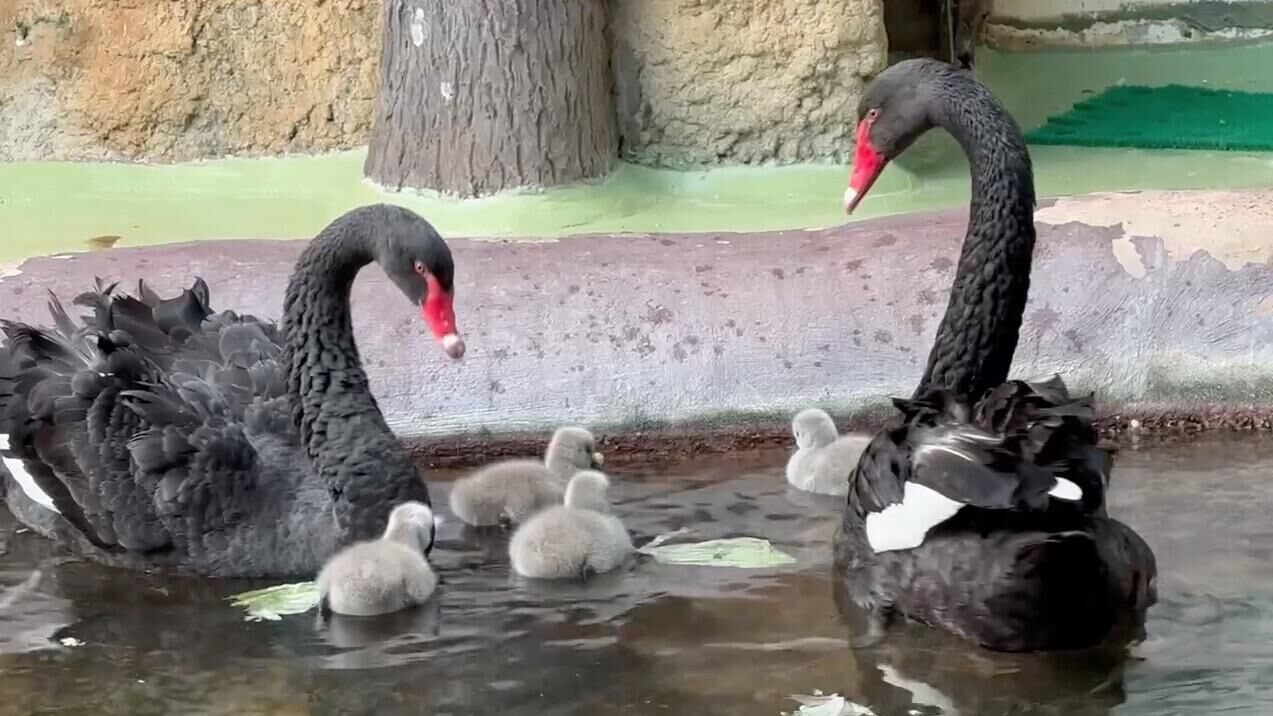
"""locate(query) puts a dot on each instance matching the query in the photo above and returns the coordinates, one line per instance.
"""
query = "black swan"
(1005, 540)
(160, 435)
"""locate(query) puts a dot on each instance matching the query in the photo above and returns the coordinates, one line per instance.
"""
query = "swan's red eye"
(421, 269)
(872, 114)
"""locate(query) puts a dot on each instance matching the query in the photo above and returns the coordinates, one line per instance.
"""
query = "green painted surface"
(1171, 117)
(54, 207)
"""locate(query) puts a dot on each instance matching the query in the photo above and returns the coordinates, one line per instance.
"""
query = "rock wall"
(164, 80)
(709, 81)
(700, 80)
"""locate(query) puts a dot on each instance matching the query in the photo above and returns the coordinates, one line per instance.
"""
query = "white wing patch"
(904, 525)
(1066, 490)
(24, 479)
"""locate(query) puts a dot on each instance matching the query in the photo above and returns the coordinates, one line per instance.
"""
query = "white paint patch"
(417, 27)
(24, 479)
(1066, 490)
(448, 91)
(1128, 257)
(12, 268)
(904, 525)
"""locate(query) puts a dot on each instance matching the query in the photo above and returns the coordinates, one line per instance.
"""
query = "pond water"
(655, 639)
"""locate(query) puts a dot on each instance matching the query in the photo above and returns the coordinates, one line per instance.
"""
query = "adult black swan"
(981, 508)
(156, 434)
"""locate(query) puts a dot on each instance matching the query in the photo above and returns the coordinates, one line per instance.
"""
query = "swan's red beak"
(438, 310)
(867, 166)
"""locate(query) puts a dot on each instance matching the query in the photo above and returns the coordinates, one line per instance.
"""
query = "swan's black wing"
(1010, 454)
(1007, 452)
(137, 422)
(1058, 434)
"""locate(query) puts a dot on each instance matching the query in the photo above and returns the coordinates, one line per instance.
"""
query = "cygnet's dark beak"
(597, 460)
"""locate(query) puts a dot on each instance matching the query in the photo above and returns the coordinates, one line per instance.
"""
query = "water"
(658, 639)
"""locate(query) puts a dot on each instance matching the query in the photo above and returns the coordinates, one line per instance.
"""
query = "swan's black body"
(172, 437)
(1017, 571)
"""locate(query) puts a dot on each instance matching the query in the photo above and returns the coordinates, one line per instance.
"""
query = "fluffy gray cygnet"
(574, 540)
(509, 492)
(823, 458)
(384, 575)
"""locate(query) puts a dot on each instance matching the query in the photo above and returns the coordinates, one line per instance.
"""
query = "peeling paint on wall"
(1234, 227)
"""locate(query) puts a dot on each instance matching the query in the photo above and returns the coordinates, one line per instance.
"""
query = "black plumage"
(1016, 569)
(171, 436)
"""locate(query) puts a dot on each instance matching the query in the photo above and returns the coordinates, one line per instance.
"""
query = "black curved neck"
(341, 427)
(978, 335)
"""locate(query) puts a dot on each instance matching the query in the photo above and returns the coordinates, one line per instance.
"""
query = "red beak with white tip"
(867, 166)
(438, 310)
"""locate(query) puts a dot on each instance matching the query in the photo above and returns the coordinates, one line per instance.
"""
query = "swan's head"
(813, 428)
(587, 491)
(415, 524)
(896, 109)
(571, 449)
(419, 262)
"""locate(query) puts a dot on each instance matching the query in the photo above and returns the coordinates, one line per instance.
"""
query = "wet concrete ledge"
(1161, 302)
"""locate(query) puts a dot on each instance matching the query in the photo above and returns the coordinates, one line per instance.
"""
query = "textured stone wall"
(700, 80)
(166, 80)
(707, 81)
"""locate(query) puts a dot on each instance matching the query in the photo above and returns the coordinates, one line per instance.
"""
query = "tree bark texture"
(478, 96)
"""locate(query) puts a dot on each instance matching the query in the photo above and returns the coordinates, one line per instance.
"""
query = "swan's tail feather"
(1056, 430)
(184, 315)
(1036, 433)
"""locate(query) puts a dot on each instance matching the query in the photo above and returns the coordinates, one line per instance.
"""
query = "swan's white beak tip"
(850, 200)
(453, 345)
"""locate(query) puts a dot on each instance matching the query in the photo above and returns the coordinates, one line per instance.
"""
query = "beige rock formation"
(715, 81)
(723, 81)
(165, 80)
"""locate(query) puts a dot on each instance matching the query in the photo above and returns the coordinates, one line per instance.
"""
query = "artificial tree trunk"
(477, 96)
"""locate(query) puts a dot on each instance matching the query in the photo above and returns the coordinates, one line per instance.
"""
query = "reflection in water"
(657, 639)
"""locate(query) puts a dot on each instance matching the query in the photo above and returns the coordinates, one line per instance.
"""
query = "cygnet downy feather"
(384, 575)
(574, 540)
(823, 459)
(509, 492)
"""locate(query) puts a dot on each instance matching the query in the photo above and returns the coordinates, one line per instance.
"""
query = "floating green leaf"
(738, 552)
(274, 603)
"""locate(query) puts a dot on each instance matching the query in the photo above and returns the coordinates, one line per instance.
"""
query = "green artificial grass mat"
(1169, 117)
